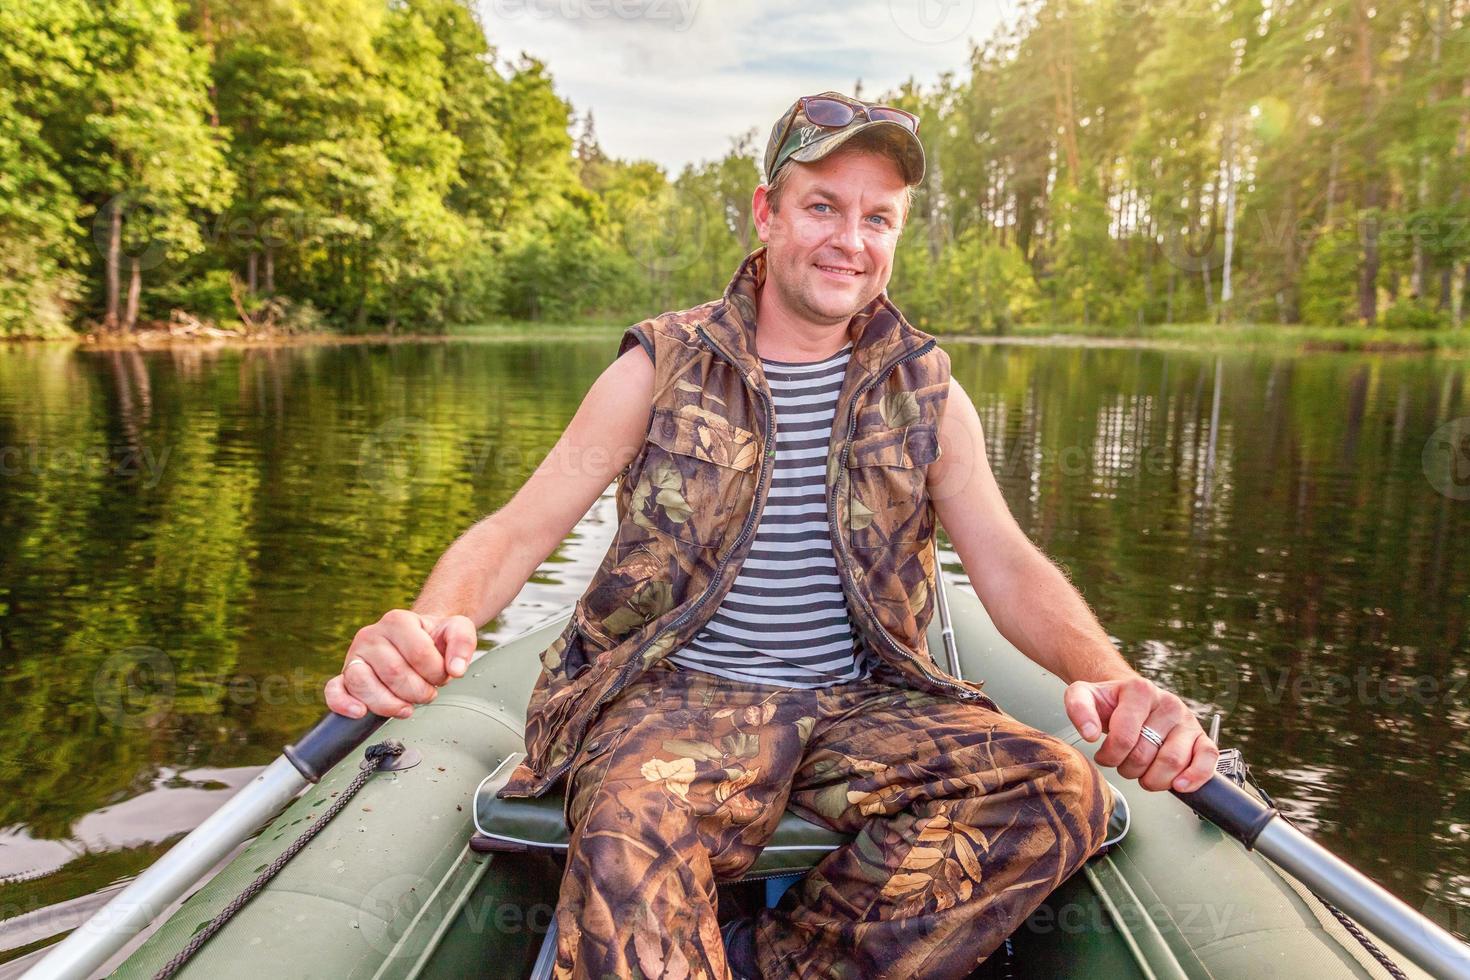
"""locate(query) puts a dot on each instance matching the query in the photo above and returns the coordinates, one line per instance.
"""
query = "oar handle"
(329, 742)
(1230, 808)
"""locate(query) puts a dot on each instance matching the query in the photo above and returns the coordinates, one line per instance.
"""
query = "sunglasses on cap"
(830, 113)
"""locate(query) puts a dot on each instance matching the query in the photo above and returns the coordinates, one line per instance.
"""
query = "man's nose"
(847, 236)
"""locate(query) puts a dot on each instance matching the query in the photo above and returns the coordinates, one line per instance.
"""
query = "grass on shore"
(1245, 336)
(1209, 336)
(537, 330)
(1193, 336)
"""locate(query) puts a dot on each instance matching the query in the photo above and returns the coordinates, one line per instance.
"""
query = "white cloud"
(674, 81)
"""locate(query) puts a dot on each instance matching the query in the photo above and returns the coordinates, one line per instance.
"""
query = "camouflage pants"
(965, 819)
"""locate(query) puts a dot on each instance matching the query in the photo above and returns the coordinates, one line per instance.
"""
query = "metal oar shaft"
(1259, 826)
(1388, 918)
(109, 930)
(946, 626)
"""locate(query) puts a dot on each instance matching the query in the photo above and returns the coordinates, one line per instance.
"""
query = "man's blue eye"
(821, 205)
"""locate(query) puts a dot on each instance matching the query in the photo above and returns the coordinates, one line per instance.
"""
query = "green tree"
(138, 146)
(41, 66)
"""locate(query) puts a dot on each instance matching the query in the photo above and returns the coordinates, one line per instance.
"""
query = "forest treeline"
(370, 165)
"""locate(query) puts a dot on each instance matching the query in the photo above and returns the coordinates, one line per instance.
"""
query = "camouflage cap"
(805, 141)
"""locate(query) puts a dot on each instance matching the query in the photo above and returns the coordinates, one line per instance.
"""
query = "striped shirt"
(785, 620)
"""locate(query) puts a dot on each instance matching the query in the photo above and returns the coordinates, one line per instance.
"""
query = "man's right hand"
(400, 661)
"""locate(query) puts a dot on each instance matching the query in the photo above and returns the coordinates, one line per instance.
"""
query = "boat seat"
(539, 823)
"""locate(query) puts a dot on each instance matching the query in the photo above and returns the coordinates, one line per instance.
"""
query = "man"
(755, 637)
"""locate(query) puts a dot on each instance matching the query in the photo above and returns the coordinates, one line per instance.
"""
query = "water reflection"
(171, 806)
(188, 539)
(1260, 533)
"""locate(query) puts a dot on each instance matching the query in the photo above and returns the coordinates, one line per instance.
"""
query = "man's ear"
(760, 209)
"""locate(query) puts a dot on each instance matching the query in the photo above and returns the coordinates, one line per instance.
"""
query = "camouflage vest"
(689, 503)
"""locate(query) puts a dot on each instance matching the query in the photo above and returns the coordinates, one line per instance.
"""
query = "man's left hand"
(1185, 761)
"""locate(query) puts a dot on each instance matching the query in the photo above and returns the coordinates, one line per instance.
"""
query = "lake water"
(189, 539)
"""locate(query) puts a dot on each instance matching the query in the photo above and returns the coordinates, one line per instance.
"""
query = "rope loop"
(372, 759)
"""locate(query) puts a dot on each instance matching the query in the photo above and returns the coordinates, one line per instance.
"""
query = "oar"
(91, 944)
(946, 628)
(1263, 828)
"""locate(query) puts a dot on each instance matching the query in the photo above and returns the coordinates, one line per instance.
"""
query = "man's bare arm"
(402, 659)
(1038, 610)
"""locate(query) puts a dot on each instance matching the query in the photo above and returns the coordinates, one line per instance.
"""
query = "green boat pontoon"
(423, 873)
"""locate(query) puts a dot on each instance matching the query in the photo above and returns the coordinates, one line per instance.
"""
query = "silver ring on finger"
(354, 660)
(1149, 735)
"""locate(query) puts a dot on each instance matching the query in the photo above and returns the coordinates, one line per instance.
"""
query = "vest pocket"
(584, 779)
(627, 592)
(561, 687)
(887, 492)
(695, 477)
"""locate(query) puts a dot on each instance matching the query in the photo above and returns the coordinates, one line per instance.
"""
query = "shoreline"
(1201, 337)
(1281, 345)
(159, 340)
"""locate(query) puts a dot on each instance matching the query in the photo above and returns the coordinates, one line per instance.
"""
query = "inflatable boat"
(412, 867)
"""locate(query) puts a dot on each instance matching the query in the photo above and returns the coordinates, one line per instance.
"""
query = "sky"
(673, 81)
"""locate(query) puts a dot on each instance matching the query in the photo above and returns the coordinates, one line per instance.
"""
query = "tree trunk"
(1059, 69)
(1368, 271)
(1332, 165)
(1419, 285)
(932, 226)
(1419, 266)
(1457, 295)
(252, 281)
(1227, 292)
(1368, 222)
(114, 251)
(206, 30)
(1289, 294)
(135, 291)
(360, 270)
(270, 271)
(1201, 222)
(1452, 280)
(1074, 155)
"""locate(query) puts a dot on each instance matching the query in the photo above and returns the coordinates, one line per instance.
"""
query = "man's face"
(830, 245)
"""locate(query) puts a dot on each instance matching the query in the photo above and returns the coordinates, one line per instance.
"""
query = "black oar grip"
(1230, 808)
(329, 742)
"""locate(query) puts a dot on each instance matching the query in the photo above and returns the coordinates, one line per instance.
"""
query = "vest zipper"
(767, 464)
(839, 535)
